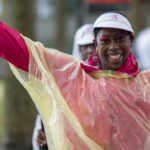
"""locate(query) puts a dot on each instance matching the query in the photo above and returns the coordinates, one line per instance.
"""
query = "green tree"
(61, 25)
(139, 13)
(20, 111)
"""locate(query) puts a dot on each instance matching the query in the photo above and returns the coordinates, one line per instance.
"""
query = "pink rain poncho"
(87, 111)
(82, 107)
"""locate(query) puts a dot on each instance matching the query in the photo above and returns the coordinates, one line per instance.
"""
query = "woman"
(100, 105)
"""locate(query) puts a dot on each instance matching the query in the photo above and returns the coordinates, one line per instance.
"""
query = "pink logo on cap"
(88, 30)
(115, 17)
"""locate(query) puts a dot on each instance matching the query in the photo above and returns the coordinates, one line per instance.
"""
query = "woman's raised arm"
(13, 47)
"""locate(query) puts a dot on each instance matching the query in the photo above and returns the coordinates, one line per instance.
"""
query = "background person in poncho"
(101, 104)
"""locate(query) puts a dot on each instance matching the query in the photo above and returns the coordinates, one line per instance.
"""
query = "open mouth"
(117, 56)
(114, 58)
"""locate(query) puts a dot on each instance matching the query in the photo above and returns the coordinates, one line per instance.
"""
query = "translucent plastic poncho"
(84, 111)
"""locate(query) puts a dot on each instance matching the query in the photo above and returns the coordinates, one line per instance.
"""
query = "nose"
(90, 50)
(113, 45)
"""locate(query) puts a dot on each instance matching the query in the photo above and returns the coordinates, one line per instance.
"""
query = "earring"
(96, 57)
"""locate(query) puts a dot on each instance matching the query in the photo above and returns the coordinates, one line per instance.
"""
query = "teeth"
(115, 56)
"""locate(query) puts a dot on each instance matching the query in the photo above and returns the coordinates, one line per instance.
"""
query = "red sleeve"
(13, 47)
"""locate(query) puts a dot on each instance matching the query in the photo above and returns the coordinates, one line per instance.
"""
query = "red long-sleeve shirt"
(13, 47)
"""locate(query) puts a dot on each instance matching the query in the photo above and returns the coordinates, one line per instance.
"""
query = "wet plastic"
(81, 112)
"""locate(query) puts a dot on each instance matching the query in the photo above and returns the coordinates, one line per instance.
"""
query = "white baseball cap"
(86, 36)
(113, 20)
(81, 39)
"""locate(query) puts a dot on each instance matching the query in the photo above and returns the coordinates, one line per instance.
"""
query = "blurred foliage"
(72, 5)
(1, 109)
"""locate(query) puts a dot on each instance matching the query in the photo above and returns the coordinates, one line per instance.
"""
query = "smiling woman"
(113, 40)
(113, 46)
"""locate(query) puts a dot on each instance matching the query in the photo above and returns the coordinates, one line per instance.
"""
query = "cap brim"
(115, 25)
(85, 40)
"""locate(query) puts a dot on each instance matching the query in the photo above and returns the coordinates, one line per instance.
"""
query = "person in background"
(83, 48)
(142, 49)
(83, 45)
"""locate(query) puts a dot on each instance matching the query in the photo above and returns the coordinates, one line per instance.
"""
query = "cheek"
(127, 51)
(93, 49)
(101, 50)
(128, 48)
(129, 45)
(100, 54)
(82, 51)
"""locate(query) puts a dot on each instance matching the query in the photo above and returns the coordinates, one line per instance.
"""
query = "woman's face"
(113, 46)
(87, 51)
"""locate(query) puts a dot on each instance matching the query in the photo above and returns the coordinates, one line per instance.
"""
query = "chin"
(112, 67)
(116, 67)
